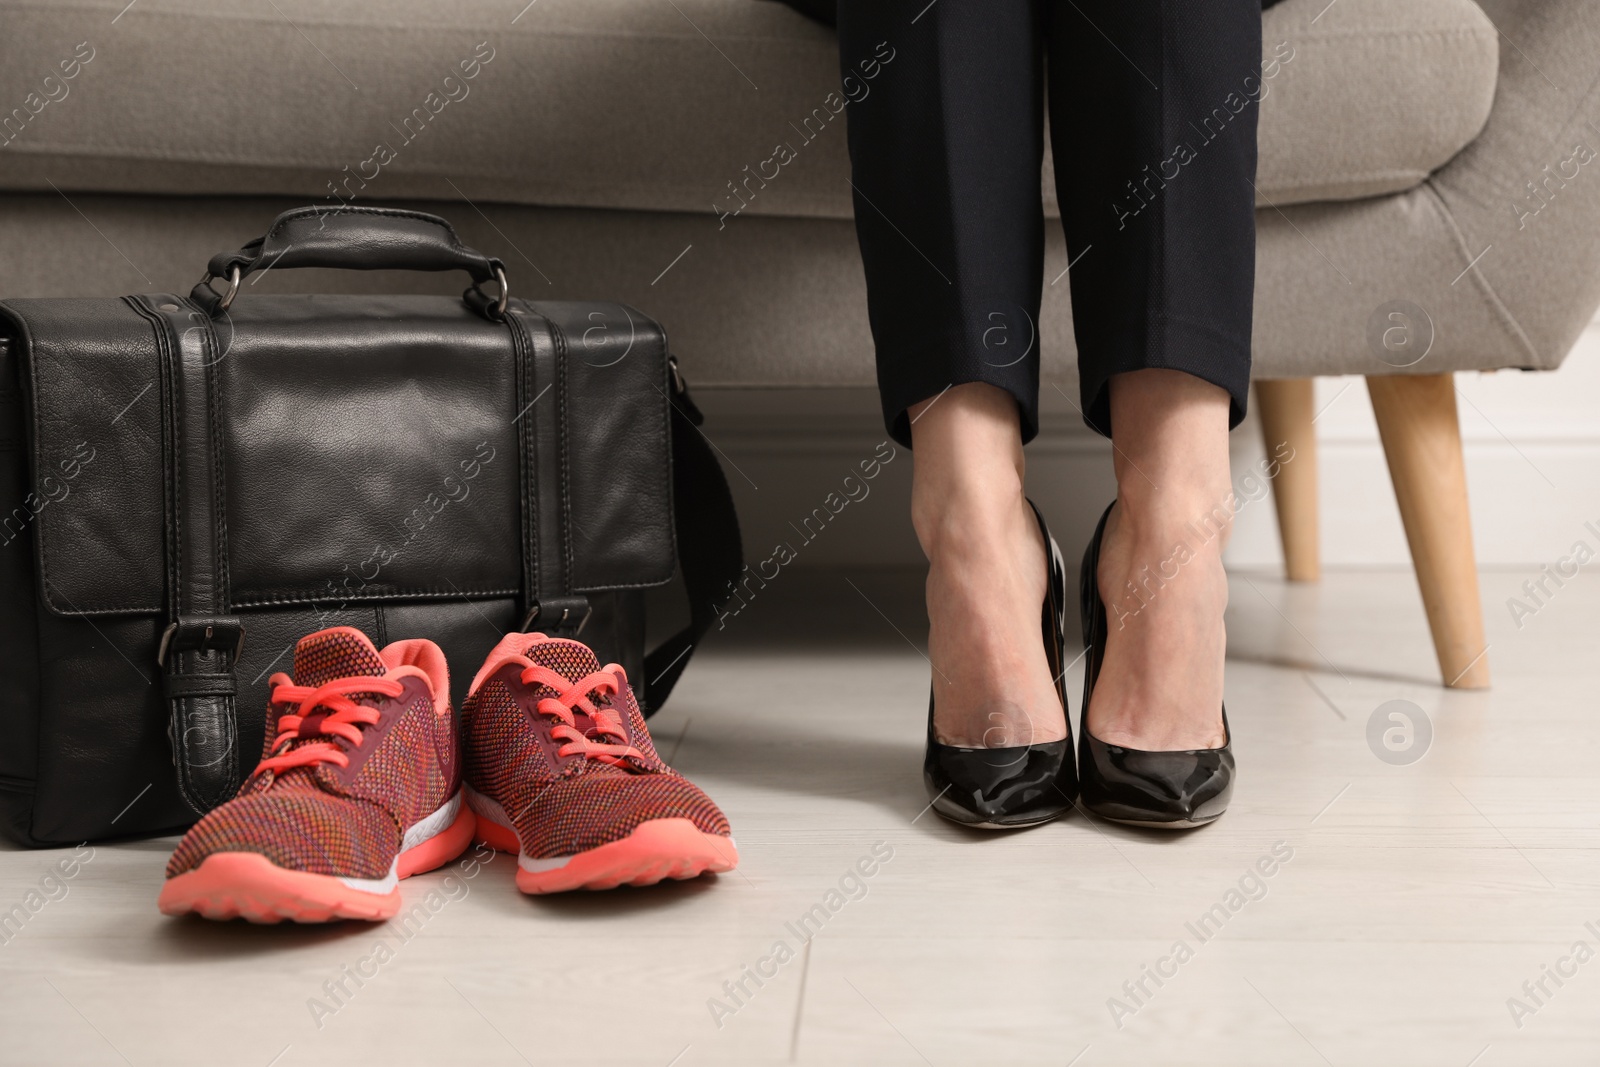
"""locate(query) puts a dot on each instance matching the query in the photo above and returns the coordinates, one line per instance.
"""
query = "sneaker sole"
(655, 851)
(248, 885)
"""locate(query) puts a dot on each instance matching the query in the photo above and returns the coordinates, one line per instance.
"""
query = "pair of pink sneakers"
(367, 778)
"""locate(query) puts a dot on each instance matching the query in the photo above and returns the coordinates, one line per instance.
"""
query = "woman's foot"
(987, 574)
(1162, 582)
(1160, 573)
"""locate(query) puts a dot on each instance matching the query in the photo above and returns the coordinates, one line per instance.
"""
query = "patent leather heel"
(1174, 790)
(1016, 787)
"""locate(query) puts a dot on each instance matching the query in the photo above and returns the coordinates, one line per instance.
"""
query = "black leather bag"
(191, 483)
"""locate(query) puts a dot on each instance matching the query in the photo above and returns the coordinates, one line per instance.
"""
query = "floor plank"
(1415, 901)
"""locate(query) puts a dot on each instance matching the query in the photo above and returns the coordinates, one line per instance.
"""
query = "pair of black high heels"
(1012, 787)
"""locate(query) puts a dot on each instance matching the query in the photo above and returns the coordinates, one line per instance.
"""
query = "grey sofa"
(1424, 204)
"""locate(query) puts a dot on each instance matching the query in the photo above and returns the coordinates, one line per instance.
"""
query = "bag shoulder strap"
(706, 528)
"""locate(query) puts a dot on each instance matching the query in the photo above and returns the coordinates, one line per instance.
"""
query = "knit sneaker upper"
(345, 770)
(571, 787)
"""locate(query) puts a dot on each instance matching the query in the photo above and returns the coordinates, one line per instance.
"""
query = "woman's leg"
(946, 152)
(1153, 123)
(1161, 576)
(986, 573)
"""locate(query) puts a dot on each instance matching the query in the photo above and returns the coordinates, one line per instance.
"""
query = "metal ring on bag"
(498, 312)
(500, 308)
(233, 288)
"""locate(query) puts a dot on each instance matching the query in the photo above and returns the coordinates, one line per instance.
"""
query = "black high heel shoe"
(1167, 790)
(1011, 788)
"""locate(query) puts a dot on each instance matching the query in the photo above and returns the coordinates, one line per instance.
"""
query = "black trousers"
(1152, 115)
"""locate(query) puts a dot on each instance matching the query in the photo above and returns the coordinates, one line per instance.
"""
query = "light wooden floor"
(1417, 900)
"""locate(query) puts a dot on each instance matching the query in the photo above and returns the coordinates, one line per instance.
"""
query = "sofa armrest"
(1525, 196)
(1367, 97)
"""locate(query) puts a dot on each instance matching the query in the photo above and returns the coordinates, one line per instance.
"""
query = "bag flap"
(370, 449)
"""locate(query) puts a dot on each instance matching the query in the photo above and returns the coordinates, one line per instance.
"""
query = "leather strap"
(197, 685)
(356, 238)
(552, 607)
(705, 523)
(710, 553)
(201, 643)
(527, 488)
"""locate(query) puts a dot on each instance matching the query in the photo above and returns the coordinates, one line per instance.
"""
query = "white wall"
(1532, 446)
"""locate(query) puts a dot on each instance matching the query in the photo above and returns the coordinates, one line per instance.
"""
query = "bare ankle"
(1145, 558)
(1198, 520)
(968, 462)
(966, 512)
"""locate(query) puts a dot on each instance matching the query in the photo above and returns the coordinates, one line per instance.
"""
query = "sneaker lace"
(572, 697)
(339, 717)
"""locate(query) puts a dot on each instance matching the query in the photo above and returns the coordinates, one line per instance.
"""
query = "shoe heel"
(493, 829)
(443, 847)
(500, 838)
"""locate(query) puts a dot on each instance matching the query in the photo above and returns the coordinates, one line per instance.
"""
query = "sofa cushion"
(726, 106)
(1378, 94)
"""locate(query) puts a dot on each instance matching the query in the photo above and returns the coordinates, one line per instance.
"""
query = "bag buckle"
(194, 633)
(560, 616)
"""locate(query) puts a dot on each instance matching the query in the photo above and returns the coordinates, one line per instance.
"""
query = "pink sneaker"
(561, 771)
(359, 786)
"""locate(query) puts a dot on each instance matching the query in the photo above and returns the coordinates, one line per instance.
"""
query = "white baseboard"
(1530, 499)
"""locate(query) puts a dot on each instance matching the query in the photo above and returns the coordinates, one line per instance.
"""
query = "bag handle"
(356, 238)
(710, 550)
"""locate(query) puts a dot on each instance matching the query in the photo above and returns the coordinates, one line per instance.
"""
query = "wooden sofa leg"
(1287, 407)
(1422, 441)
